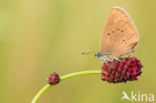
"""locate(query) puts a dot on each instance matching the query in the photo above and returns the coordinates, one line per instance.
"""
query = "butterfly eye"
(97, 55)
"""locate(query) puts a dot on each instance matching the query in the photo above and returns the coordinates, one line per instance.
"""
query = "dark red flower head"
(53, 79)
(122, 70)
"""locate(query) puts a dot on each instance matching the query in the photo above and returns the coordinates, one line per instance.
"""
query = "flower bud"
(53, 79)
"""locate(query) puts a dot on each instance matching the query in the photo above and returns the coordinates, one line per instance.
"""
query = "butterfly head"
(104, 57)
(98, 55)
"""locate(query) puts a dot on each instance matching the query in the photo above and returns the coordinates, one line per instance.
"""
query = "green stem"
(63, 78)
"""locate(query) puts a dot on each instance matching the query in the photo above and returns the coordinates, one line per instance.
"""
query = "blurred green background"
(38, 37)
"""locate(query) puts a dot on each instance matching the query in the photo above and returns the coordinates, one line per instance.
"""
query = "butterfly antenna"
(86, 53)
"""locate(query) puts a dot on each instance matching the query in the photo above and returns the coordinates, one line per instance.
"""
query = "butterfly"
(120, 36)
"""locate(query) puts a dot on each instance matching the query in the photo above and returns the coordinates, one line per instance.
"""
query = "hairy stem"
(37, 96)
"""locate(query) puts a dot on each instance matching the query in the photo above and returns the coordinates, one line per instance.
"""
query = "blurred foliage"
(38, 37)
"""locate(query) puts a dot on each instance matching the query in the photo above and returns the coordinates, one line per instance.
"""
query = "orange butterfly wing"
(120, 34)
